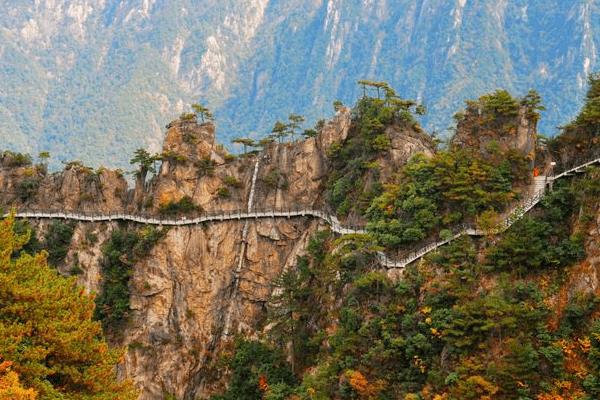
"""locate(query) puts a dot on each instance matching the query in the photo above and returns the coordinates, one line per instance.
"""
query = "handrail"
(514, 215)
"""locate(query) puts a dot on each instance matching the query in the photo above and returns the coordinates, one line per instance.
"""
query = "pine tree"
(47, 331)
(146, 161)
(295, 123)
(246, 142)
(203, 112)
(280, 130)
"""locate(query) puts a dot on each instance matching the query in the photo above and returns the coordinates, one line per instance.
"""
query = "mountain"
(95, 79)
(360, 263)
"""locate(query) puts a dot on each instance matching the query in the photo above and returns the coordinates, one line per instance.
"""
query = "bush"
(183, 206)
(173, 157)
(433, 193)
(121, 251)
(223, 193)
(275, 179)
(205, 167)
(232, 181)
(187, 117)
(11, 159)
(255, 367)
(27, 188)
(58, 240)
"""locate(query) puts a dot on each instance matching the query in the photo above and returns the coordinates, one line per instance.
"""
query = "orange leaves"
(574, 361)
(263, 385)
(359, 383)
(563, 390)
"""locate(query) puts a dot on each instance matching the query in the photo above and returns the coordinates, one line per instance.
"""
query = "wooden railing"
(514, 215)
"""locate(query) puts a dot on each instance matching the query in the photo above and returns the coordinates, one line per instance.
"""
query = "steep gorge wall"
(187, 298)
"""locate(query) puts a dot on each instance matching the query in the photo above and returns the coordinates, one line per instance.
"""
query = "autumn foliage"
(49, 343)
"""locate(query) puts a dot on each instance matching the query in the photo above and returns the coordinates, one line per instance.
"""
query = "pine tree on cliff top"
(47, 335)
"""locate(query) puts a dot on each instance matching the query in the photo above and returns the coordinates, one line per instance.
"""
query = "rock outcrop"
(478, 131)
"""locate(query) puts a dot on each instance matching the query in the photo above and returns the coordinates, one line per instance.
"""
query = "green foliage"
(27, 188)
(310, 133)
(121, 251)
(500, 103)
(536, 243)
(472, 321)
(233, 182)
(183, 206)
(252, 363)
(205, 166)
(57, 241)
(275, 179)
(246, 142)
(437, 192)
(12, 159)
(202, 111)
(146, 161)
(579, 139)
(172, 157)
(187, 116)
(533, 103)
(353, 182)
(280, 131)
(223, 193)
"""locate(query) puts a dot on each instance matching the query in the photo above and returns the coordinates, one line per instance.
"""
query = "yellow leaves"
(357, 380)
(420, 364)
(425, 310)
(10, 385)
(585, 344)
(563, 390)
(435, 332)
(474, 387)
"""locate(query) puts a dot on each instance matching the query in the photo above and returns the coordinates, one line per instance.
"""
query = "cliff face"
(199, 285)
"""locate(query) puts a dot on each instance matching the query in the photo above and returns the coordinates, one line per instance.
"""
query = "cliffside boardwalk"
(539, 187)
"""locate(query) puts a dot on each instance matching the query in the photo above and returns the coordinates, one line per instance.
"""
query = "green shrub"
(184, 206)
(223, 193)
(434, 193)
(173, 157)
(12, 159)
(275, 179)
(205, 167)
(57, 241)
(27, 188)
(187, 116)
(252, 362)
(232, 181)
(120, 253)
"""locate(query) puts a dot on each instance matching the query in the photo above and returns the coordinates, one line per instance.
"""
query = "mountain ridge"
(92, 79)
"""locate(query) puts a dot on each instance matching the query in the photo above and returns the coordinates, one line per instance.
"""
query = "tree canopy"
(47, 336)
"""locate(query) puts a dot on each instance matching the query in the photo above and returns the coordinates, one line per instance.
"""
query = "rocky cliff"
(197, 286)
